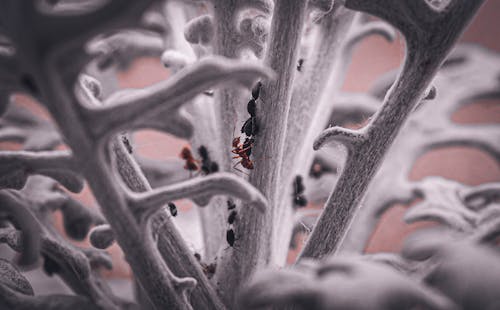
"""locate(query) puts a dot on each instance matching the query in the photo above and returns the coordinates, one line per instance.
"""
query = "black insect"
(230, 204)
(230, 237)
(247, 145)
(127, 144)
(207, 165)
(197, 256)
(299, 64)
(173, 208)
(209, 93)
(256, 90)
(250, 127)
(299, 200)
(232, 217)
(252, 107)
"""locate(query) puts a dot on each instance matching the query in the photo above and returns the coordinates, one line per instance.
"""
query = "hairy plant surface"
(254, 87)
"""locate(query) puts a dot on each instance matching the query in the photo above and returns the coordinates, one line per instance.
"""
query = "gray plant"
(291, 57)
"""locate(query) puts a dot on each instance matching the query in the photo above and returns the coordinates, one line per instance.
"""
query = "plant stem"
(253, 248)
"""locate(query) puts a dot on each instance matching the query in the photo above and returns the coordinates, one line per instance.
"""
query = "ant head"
(186, 153)
(236, 142)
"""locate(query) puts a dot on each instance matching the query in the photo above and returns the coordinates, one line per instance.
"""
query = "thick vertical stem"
(253, 247)
(364, 158)
(322, 77)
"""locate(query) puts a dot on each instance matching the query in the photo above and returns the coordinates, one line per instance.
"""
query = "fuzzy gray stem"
(366, 154)
(148, 269)
(171, 246)
(254, 249)
(325, 69)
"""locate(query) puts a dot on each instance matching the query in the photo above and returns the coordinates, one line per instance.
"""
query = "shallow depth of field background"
(373, 57)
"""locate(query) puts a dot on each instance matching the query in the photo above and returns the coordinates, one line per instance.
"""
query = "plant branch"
(428, 43)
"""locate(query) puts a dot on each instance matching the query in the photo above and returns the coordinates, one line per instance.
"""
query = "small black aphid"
(256, 90)
(202, 150)
(214, 167)
(173, 208)
(127, 144)
(248, 145)
(207, 165)
(251, 107)
(232, 217)
(300, 201)
(298, 186)
(197, 256)
(250, 127)
(230, 204)
(299, 64)
(230, 237)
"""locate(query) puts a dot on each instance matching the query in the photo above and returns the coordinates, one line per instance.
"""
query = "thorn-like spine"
(347, 137)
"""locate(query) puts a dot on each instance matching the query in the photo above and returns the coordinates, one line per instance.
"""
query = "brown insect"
(191, 163)
(241, 152)
(208, 269)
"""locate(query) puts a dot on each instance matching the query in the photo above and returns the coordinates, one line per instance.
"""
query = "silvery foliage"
(66, 54)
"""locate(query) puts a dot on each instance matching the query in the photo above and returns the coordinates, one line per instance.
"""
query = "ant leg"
(234, 167)
(233, 247)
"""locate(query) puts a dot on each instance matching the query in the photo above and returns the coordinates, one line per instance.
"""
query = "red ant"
(191, 163)
(242, 152)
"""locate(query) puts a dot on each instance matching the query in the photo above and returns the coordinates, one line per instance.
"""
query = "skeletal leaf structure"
(66, 55)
